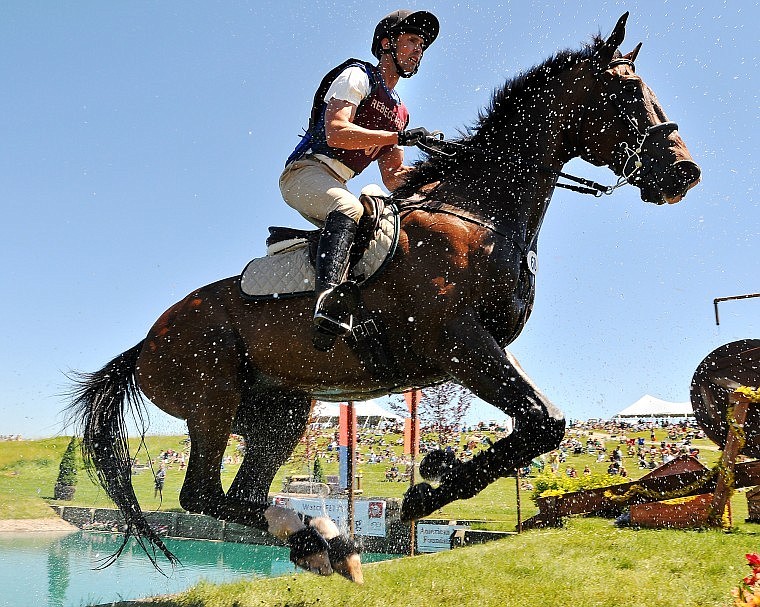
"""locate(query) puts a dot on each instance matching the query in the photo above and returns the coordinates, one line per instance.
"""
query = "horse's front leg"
(474, 359)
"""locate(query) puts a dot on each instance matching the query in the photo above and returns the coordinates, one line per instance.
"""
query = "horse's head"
(625, 127)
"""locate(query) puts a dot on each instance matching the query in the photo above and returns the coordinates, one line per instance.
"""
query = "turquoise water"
(56, 570)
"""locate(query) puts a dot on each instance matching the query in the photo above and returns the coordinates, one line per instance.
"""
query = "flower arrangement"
(552, 485)
(748, 593)
(753, 394)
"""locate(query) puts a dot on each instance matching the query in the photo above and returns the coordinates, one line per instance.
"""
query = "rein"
(634, 165)
(587, 186)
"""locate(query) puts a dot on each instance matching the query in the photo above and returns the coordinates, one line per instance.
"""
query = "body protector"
(380, 110)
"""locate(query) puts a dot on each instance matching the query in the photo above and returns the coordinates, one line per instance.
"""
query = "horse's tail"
(97, 409)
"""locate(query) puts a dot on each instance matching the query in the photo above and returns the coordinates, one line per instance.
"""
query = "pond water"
(57, 570)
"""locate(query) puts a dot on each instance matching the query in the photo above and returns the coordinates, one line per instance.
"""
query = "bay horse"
(458, 290)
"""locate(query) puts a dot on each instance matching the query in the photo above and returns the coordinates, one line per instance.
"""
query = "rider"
(357, 118)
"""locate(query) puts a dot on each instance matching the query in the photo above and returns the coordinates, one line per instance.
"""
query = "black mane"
(504, 102)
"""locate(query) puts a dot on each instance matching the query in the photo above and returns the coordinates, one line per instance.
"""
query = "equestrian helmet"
(422, 23)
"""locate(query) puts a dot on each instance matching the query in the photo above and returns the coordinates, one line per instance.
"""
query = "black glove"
(413, 136)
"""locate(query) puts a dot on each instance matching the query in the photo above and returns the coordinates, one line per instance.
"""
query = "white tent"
(649, 406)
(368, 413)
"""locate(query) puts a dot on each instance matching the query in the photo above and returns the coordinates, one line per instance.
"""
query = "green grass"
(28, 470)
(589, 563)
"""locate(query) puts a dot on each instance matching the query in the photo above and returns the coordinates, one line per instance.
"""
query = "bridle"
(636, 163)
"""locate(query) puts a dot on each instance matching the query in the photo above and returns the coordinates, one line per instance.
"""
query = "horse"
(458, 290)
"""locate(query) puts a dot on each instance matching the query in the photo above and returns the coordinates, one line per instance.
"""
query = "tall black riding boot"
(336, 300)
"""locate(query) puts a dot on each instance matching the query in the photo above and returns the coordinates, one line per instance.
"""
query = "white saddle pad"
(289, 273)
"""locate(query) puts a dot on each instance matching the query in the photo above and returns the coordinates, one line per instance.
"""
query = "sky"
(142, 143)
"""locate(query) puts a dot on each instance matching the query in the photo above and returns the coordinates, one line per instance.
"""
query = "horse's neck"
(512, 196)
(522, 190)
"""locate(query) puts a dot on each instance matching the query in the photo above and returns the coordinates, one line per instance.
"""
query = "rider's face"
(409, 51)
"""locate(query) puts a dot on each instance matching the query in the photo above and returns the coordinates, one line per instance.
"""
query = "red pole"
(350, 466)
(412, 399)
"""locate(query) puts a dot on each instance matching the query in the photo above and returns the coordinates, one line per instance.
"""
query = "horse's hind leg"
(475, 359)
(209, 430)
(272, 423)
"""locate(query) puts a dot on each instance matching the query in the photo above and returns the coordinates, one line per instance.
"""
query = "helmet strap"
(401, 71)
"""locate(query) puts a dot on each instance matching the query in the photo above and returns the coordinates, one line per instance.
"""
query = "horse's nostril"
(687, 172)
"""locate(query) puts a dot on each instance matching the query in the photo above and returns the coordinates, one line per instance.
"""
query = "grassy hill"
(589, 563)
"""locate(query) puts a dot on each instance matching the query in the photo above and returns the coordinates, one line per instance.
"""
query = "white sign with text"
(435, 538)
(369, 515)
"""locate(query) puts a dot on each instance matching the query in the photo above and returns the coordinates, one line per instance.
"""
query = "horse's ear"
(634, 53)
(612, 43)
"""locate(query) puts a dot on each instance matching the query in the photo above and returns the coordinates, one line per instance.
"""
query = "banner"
(343, 426)
(369, 515)
(412, 398)
(409, 439)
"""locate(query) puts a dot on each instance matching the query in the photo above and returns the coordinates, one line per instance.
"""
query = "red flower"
(753, 559)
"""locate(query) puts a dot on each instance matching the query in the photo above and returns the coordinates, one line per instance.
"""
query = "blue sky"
(142, 142)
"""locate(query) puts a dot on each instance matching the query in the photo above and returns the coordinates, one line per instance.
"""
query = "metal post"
(717, 300)
(519, 512)
(413, 439)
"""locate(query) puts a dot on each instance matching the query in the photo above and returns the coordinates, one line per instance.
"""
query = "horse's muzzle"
(671, 184)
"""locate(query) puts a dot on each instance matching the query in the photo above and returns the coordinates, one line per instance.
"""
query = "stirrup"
(333, 325)
(334, 307)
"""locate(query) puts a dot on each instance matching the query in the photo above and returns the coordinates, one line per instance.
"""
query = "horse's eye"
(630, 87)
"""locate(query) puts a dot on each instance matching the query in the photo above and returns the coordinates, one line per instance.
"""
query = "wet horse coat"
(458, 291)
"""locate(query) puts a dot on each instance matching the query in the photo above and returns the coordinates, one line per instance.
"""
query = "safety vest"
(379, 110)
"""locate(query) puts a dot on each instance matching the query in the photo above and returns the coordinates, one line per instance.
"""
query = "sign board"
(435, 538)
(369, 515)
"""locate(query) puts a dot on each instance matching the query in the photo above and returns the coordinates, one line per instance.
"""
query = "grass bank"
(589, 563)
(28, 470)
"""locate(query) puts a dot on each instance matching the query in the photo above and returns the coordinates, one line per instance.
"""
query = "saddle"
(288, 268)
(283, 238)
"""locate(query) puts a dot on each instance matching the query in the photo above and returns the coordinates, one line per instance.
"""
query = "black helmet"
(422, 23)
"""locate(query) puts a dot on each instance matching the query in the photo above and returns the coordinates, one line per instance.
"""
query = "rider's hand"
(413, 136)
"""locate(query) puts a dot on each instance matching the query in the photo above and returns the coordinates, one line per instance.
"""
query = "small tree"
(443, 408)
(319, 471)
(65, 485)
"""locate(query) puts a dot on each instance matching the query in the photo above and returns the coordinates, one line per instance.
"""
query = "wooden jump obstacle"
(718, 406)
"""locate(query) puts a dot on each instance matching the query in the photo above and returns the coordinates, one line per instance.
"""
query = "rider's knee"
(350, 206)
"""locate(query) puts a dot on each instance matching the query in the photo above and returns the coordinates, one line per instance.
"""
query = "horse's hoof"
(437, 464)
(418, 501)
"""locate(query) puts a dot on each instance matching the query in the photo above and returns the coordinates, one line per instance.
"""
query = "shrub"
(67, 470)
(319, 471)
(546, 485)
